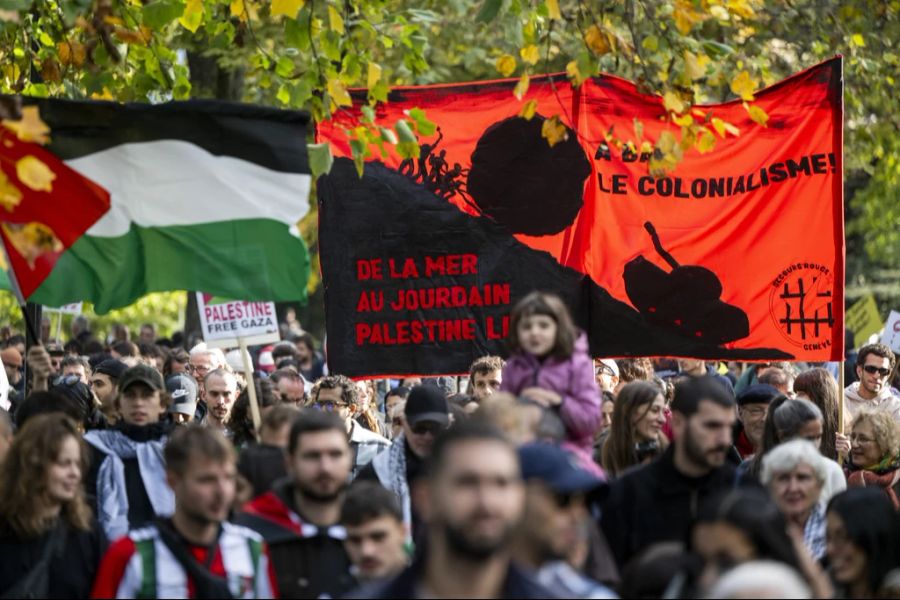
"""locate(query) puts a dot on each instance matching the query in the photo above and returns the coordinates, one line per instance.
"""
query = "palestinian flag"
(204, 195)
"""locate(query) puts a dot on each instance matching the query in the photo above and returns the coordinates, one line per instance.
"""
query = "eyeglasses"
(329, 406)
(872, 369)
(860, 439)
(756, 411)
(423, 428)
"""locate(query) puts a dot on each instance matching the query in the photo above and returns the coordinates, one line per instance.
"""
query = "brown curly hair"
(23, 477)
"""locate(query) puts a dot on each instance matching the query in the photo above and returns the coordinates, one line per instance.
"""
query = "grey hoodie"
(884, 401)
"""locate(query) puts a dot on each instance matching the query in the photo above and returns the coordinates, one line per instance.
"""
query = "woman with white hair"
(795, 473)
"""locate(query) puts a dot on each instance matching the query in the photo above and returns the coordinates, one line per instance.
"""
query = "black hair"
(311, 420)
(872, 525)
(690, 392)
(472, 430)
(241, 421)
(366, 501)
(401, 391)
(39, 403)
(753, 512)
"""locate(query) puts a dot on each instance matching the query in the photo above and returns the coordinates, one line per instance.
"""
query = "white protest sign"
(4, 388)
(76, 308)
(225, 321)
(891, 335)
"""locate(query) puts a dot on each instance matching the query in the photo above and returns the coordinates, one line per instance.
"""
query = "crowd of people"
(136, 469)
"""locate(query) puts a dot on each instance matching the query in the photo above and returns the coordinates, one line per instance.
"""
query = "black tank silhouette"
(523, 183)
(686, 300)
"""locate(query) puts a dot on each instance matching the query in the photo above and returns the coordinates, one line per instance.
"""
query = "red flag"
(44, 205)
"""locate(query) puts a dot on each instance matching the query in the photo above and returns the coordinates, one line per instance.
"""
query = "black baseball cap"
(556, 468)
(112, 368)
(427, 403)
(141, 373)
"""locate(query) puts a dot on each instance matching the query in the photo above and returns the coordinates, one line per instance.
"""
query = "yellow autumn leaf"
(373, 75)
(31, 240)
(288, 8)
(506, 64)
(192, 16)
(741, 8)
(757, 114)
(528, 110)
(683, 120)
(744, 85)
(722, 127)
(10, 195)
(672, 102)
(133, 36)
(530, 54)
(685, 16)
(30, 128)
(335, 20)
(575, 73)
(553, 9)
(597, 40)
(706, 142)
(238, 10)
(34, 173)
(553, 131)
(521, 86)
(858, 40)
(338, 92)
(71, 53)
(695, 65)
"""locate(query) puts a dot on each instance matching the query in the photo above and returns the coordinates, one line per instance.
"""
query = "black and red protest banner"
(736, 254)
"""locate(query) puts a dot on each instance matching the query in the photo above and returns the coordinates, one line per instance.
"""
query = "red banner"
(735, 253)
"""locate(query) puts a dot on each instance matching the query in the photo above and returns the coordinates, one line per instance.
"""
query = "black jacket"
(519, 584)
(261, 465)
(71, 571)
(308, 561)
(140, 509)
(656, 503)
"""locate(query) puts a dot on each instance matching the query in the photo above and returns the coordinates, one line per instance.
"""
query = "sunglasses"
(66, 380)
(567, 500)
(872, 369)
(432, 428)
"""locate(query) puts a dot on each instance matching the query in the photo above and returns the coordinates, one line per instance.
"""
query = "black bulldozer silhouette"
(685, 300)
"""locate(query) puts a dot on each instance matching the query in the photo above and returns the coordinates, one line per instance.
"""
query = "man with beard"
(657, 502)
(196, 553)
(472, 501)
(300, 517)
(221, 392)
(874, 366)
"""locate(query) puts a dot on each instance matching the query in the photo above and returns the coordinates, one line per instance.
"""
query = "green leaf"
(716, 49)
(489, 11)
(405, 132)
(159, 13)
(320, 159)
(284, 67)
(424, 126)
(388, 135)
(368, 113)
(296, 31)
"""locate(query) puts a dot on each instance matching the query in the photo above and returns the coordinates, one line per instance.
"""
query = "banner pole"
(59, 328)
(251, 387)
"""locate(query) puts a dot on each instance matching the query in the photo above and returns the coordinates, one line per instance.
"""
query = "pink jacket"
(573, 379)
